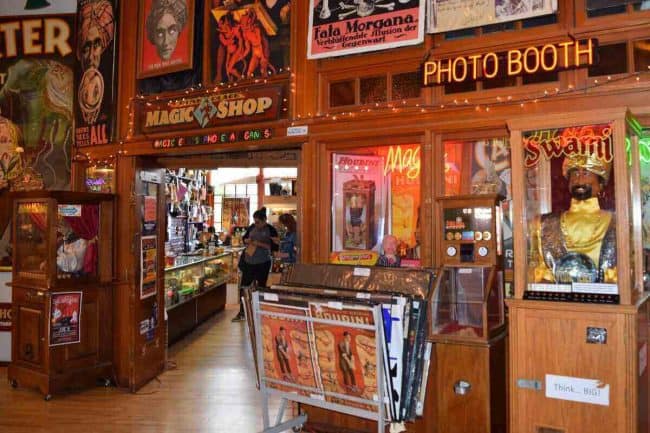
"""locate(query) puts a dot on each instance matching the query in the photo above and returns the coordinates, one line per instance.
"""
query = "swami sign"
(210, 111)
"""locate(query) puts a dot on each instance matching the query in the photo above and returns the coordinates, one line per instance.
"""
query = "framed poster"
(95, 71)
(341, 27)
(235, 213)
(166, 37)
(247, 38)
(448, 15)
(148, 270)
(65, 318)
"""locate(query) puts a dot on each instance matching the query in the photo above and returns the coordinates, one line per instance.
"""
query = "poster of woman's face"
(166, 36)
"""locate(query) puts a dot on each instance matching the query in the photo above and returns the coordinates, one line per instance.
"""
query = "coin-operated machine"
(467, 317)
(61, 290)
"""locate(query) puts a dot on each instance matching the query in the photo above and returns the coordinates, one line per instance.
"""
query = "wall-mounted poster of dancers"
(347, 357)
(358, 201)
(287, 350)
(247, 38)
(341, 27)
(235, 213)
(166, 38)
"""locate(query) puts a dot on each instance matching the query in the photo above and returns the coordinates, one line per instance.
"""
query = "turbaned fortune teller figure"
(578, 244)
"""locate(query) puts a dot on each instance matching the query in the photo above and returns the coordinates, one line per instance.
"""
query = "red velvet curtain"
(87, 227)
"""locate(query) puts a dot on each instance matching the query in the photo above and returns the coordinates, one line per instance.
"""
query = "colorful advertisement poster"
(346, 356)
(148, 268)
(65, 318)
(36, 102)
(95, 71)
(287, 349)
(5, 316)
(248, 38)
(235, 212)
(341, 27)
(358, 201)
(166, 37)
(149, 213)
(447, 15)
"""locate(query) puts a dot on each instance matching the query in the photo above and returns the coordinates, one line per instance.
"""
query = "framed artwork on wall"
(165, 42)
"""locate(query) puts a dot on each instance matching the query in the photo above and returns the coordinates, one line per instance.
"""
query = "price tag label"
(361, 272)
(271, 297)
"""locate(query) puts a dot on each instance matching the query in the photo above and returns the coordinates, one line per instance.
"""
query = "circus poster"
(288, 352)
(248, 38)
(36, 106)
(347, 356)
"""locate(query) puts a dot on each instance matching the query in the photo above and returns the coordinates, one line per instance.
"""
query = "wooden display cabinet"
(578, 352)
(62, 242)
(467, 318)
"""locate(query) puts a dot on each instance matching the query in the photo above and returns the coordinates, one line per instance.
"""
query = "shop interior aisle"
(212, 389)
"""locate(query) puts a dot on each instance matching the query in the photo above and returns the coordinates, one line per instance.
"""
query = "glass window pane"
(460, 34)
(373, 90)
(230, 190)
(570, 223)
(467, 86)
(544, 20)
(406, 86)
(252, 189)
(613, 60)
(342, 93)
(376, 204)
(541, 76)
(642, 55)
(499, 27)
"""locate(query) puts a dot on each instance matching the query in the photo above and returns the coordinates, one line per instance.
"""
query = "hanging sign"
(515, 62)
(340, 27)
(209, 111)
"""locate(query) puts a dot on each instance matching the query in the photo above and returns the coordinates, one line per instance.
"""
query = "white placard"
(148, 176)
(70, 210)
(361, 272)
(577, 389)
(597, 288)
(271, 297)
(363, 295)
(295, 131)
(335, 305)
(559, 288)
(20, 7)
(643, 358)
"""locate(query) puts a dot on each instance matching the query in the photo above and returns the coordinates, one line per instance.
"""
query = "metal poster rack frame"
(297, 422)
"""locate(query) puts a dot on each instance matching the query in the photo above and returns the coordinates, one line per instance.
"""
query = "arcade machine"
(467, 317)
(578, 324)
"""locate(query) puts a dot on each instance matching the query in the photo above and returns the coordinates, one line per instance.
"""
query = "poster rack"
(297, 422)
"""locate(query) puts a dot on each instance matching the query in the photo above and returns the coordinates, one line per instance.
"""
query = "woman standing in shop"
(289, 243)
(261, 239)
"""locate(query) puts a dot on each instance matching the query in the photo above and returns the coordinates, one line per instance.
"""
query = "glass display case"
(60, 239)
(467, 303)
(61, 290)
(192, 275)
(570, 214)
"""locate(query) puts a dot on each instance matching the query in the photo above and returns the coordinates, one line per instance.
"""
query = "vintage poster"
(95, 68)
(36, 102)
(65, 318)
(341, 27)
(248, 38)
(347, 357)
(166, 37)
(359, 200)
(148, 266)
(645, 195)
(235, 212)
(447, 15)
(5, 316)
(287, 350)
(149, 213)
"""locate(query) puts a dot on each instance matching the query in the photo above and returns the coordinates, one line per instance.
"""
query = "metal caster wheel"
(13, 383)
(48, 397)
(107, 383)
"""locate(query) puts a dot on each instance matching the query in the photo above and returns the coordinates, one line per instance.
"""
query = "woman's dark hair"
(289, 221)
(260, 214)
